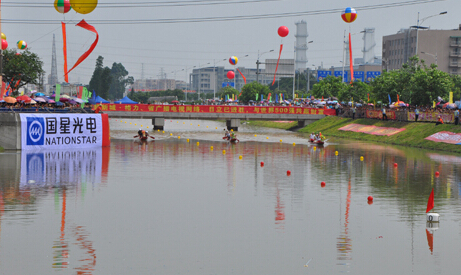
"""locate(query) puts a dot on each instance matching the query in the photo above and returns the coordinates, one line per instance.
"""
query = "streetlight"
(257, 64)
(308, 79)
(418, 25)
(433, 55)
(215, 77)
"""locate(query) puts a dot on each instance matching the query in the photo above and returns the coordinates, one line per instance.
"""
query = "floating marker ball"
(211, 147)
(163, 132)
(322, 184)
(240, 157)
(3, 36)
(256, 135)
(283, 31)
(336, 153)
(198, 143)
(349, 15)
(171, 134)
(224, 151)
(288, 173)
(395, 164)
(233, 60)
(315, 148)
(280, 140)
(187, 140)
(179, 137)
(267, 137)
(62, 6)
(294, 144)
(361, 158)
(4, 44)
(370, 198)
(437, 173)
(262, 163)
(230, 74)
(84, 6)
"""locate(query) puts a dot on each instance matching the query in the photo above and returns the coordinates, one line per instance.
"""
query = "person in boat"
(140, 132)
(232, 135)
(312, 137)
(227, 135)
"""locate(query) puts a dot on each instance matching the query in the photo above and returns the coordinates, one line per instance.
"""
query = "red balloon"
(4, 44)
(230, 75)
(283, 31)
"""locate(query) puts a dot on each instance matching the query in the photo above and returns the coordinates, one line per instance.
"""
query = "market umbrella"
(10, 99)
(73, 102)
(51, 101)
(79, 100)
(39, 94)
(40, 99)
(65, 96)
(64, 99)
(31, 102)
(59, 103)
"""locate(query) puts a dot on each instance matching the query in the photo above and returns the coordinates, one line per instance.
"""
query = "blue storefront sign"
(322, 75)
(372, 74)
(359, 75)
(228, 84)
(339, 73)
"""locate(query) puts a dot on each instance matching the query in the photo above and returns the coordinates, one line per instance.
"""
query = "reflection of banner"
(216, 109)
(54, 131)
(446, 137)
(379, 114)
(372, 130)
(322, 75)
(431, 116)
(59, 167)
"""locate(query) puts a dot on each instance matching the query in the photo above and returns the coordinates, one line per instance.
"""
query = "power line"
(224, 18)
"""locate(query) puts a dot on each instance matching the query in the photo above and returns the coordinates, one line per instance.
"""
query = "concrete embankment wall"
(10, 131)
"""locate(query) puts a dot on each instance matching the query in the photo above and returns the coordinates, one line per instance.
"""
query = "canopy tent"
(97, 100)
(125, 100)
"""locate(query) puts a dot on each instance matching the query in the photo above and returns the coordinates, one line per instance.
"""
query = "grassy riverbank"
(272, 124)
(413, 135)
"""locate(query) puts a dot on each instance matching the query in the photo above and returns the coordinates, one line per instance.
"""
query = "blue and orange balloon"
(22, 45)
(233, 60)
(62, 6)
(349, 15)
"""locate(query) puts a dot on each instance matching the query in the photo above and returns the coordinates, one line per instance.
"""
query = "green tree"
(229, 91)
(101, 79)
(358, 92)
(249, 92)
(329, 87)
(25, 68)
(119, 81)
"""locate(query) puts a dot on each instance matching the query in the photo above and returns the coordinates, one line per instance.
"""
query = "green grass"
(272, 124)
(413, 136)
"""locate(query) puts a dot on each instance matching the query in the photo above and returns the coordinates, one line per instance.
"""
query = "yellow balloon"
(84, 6)
(3, 36)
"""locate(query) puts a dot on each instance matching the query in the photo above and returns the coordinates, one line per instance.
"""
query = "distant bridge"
(232, 114)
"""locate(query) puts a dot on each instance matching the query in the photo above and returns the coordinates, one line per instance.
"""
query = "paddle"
(151, 137)
(136, 136)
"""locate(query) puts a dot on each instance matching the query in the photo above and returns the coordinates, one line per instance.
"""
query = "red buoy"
(395, 164)
(262, 163)
(437, 173)
(288, 172)
(322, 184)
(370, 198)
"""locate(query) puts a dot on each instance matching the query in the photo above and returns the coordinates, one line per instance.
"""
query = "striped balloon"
(349, 15)
(233, 60)
(62, 6)
(22, 45)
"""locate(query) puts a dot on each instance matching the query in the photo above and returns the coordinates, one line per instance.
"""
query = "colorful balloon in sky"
(83, 6)
(22, 45)
(349, 15)
(283, 31)
(230, 75)
(233, 60)
(62, 6)
(4, 44)
(3, 36)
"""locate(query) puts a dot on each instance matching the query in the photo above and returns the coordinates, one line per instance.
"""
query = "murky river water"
(173, 206)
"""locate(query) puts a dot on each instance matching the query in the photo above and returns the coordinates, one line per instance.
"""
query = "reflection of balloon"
(283, 31)
(4, 44)
(62, 6)
(83, 6)
(349, 15)
(22, 44)
(233, 60)
(3, 36)
(230, 74)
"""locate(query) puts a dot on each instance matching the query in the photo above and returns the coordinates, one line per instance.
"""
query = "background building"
(440, 47)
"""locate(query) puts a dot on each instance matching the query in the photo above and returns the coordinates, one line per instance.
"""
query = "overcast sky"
(177, 46)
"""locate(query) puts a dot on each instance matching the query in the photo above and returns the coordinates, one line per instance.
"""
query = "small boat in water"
(318, 142)
(233, 140)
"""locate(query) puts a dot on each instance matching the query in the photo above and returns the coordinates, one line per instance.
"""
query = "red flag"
(86, 26)
(430, 202)
(368, 97)
(430, 240)
(351, 65)
(3, 90)
(244, 79)
(64, 49)
(398, 99)
(276, 67)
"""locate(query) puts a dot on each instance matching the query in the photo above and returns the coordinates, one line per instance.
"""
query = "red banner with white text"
(216, 109)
